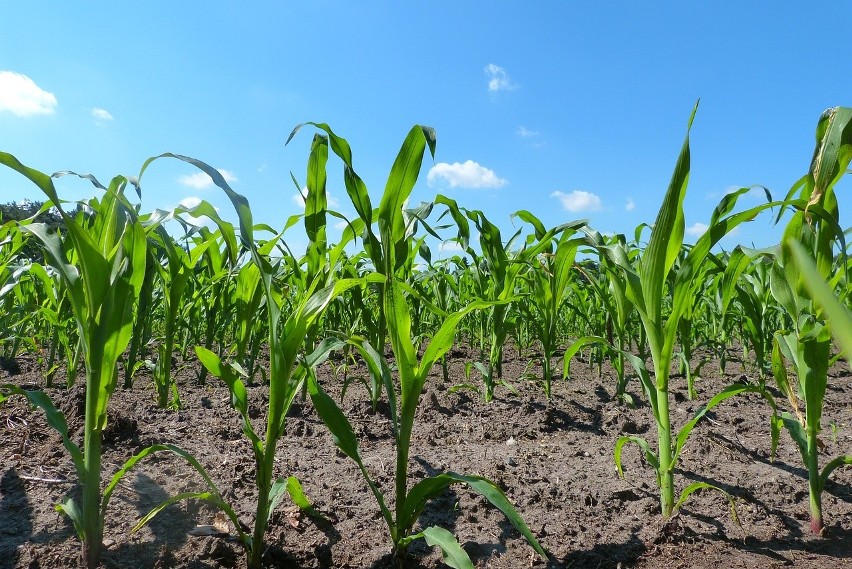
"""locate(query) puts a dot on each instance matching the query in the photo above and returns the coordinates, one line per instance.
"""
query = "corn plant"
(745, 285)
(408, 502)
(549, 279)
(102, 288)
(211, 301)
(286, 339)
(11, 243)
(499, 267)
(811, 236)
(611, 290)
(646, 288)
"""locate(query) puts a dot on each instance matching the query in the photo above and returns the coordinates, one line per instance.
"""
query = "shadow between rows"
(833, 488)
(837, 541)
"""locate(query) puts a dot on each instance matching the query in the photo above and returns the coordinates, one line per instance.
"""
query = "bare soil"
(553, 458)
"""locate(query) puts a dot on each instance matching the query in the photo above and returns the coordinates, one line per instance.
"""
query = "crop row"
(103, 284)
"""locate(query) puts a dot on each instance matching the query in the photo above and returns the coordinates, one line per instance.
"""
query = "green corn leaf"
(213, 496)
(839, 317)
(694, 266)
(453, 554)
(70, 274)
(205, 209)
(695, 486)
(239, 202)
(797, 432)
(297, 495)
(463, 236)
(650, 455)
(831, 467)
(380, 372)
(239, 395)
(738, 261)
(443, 339)
(575, 347)
(277, 491)
(337, 423)
(55, 418)
(316, 202)
(130, 463)
(645, 379)
(666, 236)
(430, 487)
(833, 151)
(344, 438)
(70, 509)
(209, 497)
(726, 393)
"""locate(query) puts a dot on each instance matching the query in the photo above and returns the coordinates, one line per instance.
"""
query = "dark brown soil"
(554, 459)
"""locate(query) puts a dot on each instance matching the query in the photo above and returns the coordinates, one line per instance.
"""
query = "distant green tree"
(26, 209)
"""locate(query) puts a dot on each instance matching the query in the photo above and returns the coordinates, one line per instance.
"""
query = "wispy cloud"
(200, 180)
(579, 201)
(101, 114)
(630, 205)
(464, 175)
(450, 246)
(697, 229)
(524, 132)
(20, 96)
(498, 79)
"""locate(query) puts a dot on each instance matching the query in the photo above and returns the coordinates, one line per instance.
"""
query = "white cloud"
(630, 205)
(579, 201)
(451, 246)
(22, 97)
(190, 202)
(697, 229)
(498, 79)
(524, 132)
(467, 175)
(101, 114)
(298, 199)
(341, 225)
(201, 180)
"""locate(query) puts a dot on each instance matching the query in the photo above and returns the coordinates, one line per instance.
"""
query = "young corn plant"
(809, 241)
(549, 277)
(213, 299)
(412, 373)
(286, 339)
(745, 285)
(606, 283)
(499, 267)
(176, 271)
(102, 288)
(647, 283)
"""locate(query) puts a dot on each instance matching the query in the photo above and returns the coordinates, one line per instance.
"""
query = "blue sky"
(570, 110)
